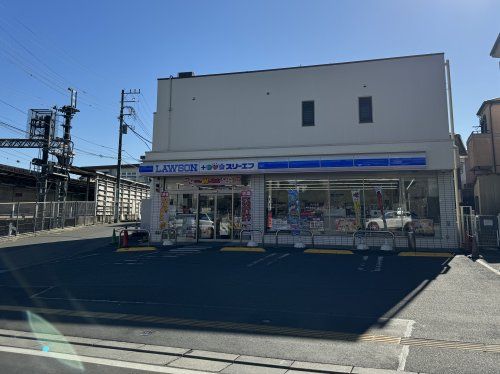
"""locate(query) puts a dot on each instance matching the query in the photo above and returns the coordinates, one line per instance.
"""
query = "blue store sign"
(246, 166)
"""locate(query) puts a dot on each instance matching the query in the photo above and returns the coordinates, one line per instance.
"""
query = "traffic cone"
(113, 237)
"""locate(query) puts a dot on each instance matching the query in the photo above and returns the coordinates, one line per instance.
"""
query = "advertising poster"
(164, 205)
(356, 200)
(246, 208)
(345, 224)
(294, 211)
(423, 226)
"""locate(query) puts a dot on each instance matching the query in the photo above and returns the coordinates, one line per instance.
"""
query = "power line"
(143, 139)
(13, 106)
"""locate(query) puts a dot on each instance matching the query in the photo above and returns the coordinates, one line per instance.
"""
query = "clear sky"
(103, 46)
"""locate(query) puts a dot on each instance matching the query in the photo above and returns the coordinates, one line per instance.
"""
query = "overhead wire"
(143, 139)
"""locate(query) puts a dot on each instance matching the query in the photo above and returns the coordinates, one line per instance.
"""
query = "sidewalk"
(156, 358)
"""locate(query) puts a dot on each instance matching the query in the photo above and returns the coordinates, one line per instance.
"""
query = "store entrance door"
(206, 216)
(224, 216)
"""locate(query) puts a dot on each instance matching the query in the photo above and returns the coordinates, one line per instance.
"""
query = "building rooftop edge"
(489, 101)
(497, 42)
(305, 66)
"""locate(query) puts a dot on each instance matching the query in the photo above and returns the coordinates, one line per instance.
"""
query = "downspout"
(455, 171)
(169, 114)
(493, 142)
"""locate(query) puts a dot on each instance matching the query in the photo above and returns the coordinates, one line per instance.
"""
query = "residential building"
(483, 147)
(495, 51)
(323, 149)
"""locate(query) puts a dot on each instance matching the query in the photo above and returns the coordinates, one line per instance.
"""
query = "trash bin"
(412, 242)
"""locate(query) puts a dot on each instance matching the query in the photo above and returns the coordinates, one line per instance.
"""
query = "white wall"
(232, 115)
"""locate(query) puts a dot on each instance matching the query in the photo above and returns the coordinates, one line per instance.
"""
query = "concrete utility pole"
(122, 130)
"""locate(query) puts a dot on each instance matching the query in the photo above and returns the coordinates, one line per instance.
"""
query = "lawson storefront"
(330, 196)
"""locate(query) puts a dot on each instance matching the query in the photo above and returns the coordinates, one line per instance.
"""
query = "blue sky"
(102, 46)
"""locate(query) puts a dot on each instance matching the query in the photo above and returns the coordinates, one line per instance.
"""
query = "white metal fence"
(23, 217)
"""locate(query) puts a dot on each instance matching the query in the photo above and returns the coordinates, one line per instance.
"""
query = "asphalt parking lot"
(284, 303)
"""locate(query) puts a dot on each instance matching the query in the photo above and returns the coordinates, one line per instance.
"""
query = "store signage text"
(176, 168)
(393, 161)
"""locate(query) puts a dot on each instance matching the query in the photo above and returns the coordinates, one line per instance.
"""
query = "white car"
(395, 220)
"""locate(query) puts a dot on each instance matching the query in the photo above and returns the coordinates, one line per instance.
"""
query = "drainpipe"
(169, 113)
(455, 172)
(493, 142)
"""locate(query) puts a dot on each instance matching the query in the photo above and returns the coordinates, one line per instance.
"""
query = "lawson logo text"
(176, 168)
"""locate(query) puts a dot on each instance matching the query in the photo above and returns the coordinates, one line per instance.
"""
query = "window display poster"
(345, 224)
(294, 211)
(246, 208)
(164, 207)
(356, 199)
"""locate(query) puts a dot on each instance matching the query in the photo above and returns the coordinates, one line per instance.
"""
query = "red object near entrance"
(125, 239)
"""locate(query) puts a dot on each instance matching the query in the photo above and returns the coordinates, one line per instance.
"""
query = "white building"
(306, 148)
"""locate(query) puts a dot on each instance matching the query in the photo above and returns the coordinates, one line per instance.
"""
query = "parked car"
(395, 220)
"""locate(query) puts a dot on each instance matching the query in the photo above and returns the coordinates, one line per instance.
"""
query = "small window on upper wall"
(365, 110)
(308, 113)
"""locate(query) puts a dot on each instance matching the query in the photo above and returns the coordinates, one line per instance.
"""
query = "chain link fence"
(24, 217)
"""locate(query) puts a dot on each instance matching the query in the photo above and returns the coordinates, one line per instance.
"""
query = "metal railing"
(289, 231)
(250, 231)
(381, 234)
(30, 217)
(168, 231)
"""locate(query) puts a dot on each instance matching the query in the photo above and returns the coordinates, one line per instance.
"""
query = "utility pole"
(122, 130)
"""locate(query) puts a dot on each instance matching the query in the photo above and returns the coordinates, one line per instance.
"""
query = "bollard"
(113, 237)
(412, 241)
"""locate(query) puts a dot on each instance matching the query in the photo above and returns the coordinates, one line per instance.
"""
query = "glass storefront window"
(334, 205)
(203, 207)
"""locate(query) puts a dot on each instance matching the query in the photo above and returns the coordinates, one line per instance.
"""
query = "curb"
(229, 358)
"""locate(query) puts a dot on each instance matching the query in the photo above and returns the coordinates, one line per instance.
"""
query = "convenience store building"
(328, 149)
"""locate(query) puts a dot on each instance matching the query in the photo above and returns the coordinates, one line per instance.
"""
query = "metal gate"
(482, 230)
(487, 231)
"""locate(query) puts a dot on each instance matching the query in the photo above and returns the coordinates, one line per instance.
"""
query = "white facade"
(250, 123)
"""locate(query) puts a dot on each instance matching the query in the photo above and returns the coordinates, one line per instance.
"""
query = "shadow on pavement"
(261, 293)
(491, 255)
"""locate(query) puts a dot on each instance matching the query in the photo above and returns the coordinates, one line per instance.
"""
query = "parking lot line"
(260, 259)
(329, 251)
(487, 266)
(277, 259)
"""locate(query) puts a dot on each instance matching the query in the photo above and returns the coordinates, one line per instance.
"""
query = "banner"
(356, 200)
(164, 205)
(294, 211)
(246, 208)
